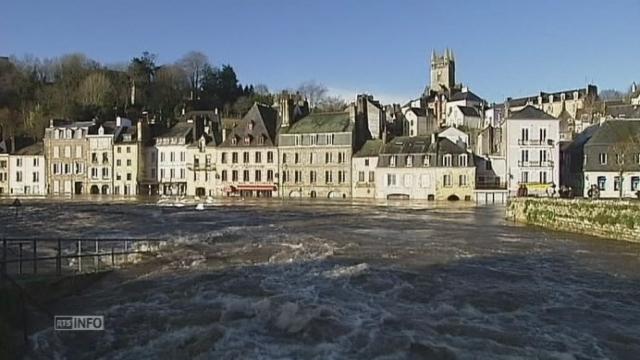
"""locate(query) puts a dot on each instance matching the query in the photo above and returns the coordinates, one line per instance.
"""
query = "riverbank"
(619, 220)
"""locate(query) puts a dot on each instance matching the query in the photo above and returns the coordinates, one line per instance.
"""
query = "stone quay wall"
(619, 220)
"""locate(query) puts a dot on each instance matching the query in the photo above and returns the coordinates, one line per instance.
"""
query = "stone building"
(171, 154)
(315, 155)
(202, 175)
(126, 156)
(612, 159)
(429, 168)
(364, 163)
(100, 159)
(532, 150)
(4, 174)
(66, 150)
(248, 156)
(28, 176)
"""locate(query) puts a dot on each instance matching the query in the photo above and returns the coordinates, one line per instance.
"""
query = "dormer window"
(247, 140)
(409, 161)
(234, 140)
(392, 161)
(261, 139)
(427, 160)
(447, 160)
(250, 125)
(462, 160)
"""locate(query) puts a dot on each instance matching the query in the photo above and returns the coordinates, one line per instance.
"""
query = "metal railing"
(22, 256)
(536, 163)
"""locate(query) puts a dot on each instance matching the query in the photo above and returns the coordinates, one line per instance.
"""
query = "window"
(94, 158)
(118, 162)
(312, 177)
(261, 140)
(234, 140)
(234, 175)
(182, 156)
(543, 177)
(361, 176)
(408, 180)
(36, 177)
(19, 176)
(19, 162)
(56, 152)
(543, 134)
(161, 156)
(616, 183)
(269, 175)
(161, 173)
(328, 177)
(128, 162)
(129, 176)
(118, 177)
(284, 158)
(245, 157)
(223, 176)
(270, 157)
(341, 176)
(603, 158)
(372, 176)
(340, 156)
(524, 134)
(543, 156)
(447, 160)
(247, 140)
(258, 175)
(245, 175)
(602, 182)
(462, 160)
(619, 159)
(172, 173)
(67, 151)
(524, 177)
(635, 180)
(328, 157)
(78, 151)
(223, 158)
(258, 157)
(172, 156)
(487, 165)
(285, 176)
(94, 173)
(524, 156)
(391, 179)
(409, 161)
(392, 161)
(296, 158)
(426, 161)
(366, 162)
(297, 140)
(446, 180)
(105, 173)
(36, 161)
(128, 149)
(462, 180)
(118, 149)
(297, 176)
(311, 158)
(234, 158)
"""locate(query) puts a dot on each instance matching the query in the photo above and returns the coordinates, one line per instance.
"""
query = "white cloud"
(349, 95)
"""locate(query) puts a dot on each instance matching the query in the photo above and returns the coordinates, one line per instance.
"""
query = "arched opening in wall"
(313, 194)
(453, 197)
(200, 191)
(431, 197)
(398, 197)
(95, 190)
(334, 195)
(105, 189)
(295, 194)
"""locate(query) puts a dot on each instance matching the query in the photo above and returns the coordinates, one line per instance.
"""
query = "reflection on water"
(346, 280)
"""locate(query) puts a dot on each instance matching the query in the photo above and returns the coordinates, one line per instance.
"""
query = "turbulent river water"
(344, 280)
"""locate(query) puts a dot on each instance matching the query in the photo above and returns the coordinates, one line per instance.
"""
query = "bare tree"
(313, 91)
(331, 103)
(96, 89)
(194, 63)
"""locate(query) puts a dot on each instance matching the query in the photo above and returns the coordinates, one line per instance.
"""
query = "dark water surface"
(344, 280)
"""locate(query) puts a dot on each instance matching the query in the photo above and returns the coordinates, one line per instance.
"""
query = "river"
(344, 280)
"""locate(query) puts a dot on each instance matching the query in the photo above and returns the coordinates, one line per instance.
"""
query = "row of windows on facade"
(602, 183)
(35, 177)
(172, 156)
(171, 174)
(69, 134)
(543, 177)
(67, 152)
(543, 155)
(328, 158)
(329, 139)
(524, 134)
(604, 158)
(248, 138)
(447, 160)
(246, 157)
(19, 163)
(447, 180)
(298, 177)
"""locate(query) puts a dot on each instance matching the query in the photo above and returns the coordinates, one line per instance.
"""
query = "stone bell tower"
(443, 71)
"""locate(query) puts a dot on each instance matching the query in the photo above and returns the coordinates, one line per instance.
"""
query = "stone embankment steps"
(613, 219)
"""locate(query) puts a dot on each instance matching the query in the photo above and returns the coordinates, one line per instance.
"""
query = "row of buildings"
(447, 144)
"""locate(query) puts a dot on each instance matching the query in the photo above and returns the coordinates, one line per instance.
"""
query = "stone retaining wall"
(612, 219)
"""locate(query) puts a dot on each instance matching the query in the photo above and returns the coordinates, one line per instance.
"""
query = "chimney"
(433, 137)
(139, 131)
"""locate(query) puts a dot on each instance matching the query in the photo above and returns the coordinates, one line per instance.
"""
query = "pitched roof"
(418, 111)
(329, 122)
(469, 111)
(180, 129)
(407, 145)
(615, 131)
(35, 149)
(263, 120)
(466, 95)
(623, 111)
(531, 113)
(370, 148)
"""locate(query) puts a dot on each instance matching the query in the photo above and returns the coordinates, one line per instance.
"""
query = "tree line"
(73, 86)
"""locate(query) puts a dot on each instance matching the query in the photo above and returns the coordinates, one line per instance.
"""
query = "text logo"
(79, 323)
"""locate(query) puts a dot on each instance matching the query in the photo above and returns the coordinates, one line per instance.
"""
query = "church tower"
(443, 71)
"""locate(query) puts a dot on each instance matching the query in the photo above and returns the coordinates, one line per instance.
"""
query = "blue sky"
(503, 47)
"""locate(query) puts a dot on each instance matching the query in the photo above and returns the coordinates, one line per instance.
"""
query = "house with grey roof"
(423, 167)
(247, 163)
(364, 164)
(171, 159)
(315, 155)
(612, 159)
(532, 151)
(28, 175)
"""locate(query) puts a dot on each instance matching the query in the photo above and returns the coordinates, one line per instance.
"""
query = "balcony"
(536, 142)
(534, 164)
